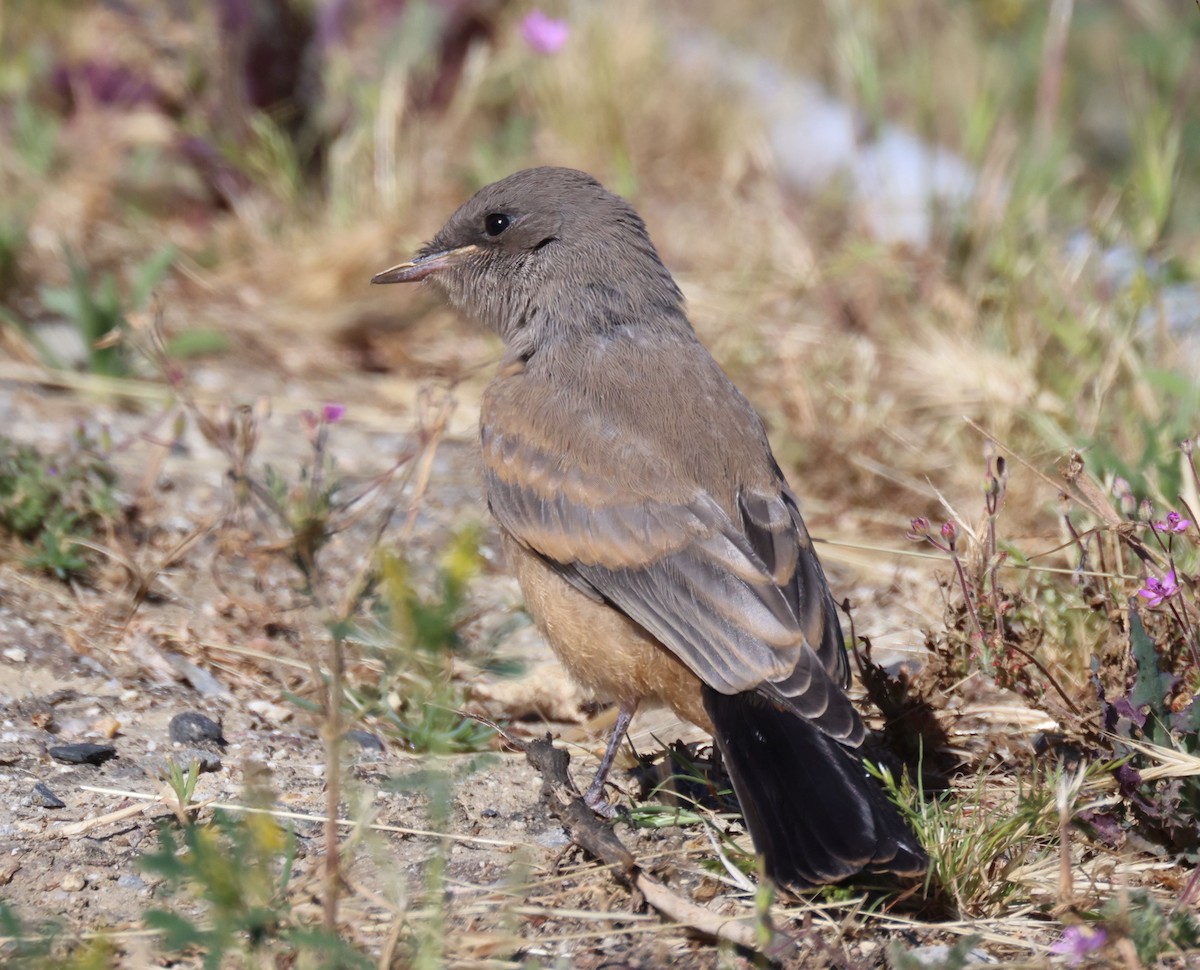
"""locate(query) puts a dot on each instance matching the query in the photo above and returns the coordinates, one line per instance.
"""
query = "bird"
(656, 541)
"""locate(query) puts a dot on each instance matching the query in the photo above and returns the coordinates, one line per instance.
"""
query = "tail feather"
(814, 813)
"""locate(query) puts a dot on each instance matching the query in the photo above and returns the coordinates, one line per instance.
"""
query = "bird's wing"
(742, 602)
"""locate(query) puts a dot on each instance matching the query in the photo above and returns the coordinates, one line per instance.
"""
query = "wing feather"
(737, 594)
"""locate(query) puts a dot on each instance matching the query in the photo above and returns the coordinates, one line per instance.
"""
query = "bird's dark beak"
(422, 266)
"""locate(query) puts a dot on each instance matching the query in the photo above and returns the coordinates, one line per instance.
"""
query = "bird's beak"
(422, 266)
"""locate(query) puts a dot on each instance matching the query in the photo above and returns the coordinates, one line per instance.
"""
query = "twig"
(586, 831)
(295, 816)
(1045, 673)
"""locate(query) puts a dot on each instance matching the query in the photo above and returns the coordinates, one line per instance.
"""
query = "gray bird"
(658, 545)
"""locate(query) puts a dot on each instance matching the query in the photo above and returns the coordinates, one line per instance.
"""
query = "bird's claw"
(595, 800)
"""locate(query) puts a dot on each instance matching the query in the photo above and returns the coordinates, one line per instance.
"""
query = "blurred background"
(886, 217)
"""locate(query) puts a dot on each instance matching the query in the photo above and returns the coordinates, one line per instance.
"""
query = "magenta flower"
(544, 34)
(1157, 590)
(1078, 941)
(333, 413)
(1174, 523)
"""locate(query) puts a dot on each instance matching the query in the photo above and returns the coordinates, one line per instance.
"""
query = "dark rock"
(43, 797)
(193, 728)
(365, 739)
(82, 753)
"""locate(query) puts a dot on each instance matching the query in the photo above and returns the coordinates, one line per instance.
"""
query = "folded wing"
(737, 595)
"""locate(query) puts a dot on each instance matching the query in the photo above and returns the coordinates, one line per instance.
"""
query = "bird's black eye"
(496, 223)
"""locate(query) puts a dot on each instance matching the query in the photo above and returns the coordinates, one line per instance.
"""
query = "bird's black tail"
(814, 813)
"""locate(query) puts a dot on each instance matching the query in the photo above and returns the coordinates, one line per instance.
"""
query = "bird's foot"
(594, 799)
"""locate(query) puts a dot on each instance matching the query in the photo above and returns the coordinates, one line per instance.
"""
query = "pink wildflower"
(1078, 941)
(1174, 523)
(1157, 590)
(544, 34)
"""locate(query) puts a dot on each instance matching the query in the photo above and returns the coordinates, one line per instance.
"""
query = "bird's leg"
(594, 796)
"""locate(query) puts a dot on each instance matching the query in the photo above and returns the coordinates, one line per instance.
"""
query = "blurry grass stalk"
(429, 945)
(1054, 55)
(856, 55)
(1156, 138)
(272, 158)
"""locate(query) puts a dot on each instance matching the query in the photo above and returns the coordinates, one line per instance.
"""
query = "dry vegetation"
(174, 488)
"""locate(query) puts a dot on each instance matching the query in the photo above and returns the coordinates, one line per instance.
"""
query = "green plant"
(416, 636)
(14, 235)
(98, 311)
(182, 783)
(240, 869)
(45, 947)
(35, 135)
(51, 501)
(1154, 929)
(986, 843)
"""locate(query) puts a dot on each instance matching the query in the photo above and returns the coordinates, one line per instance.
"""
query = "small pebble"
(82, 754)
(43, 797)
(107, 726)
(273, 714)
(192, 727)
(553, 839)
(365, 739)
(131, 881)
(72, 882)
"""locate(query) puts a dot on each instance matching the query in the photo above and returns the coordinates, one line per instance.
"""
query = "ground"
(81, 664)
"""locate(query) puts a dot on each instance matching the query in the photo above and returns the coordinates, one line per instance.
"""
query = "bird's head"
(544, 248)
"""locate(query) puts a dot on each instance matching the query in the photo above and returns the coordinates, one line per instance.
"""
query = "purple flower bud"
(333, 413)
(920, 527)
(949, 533)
